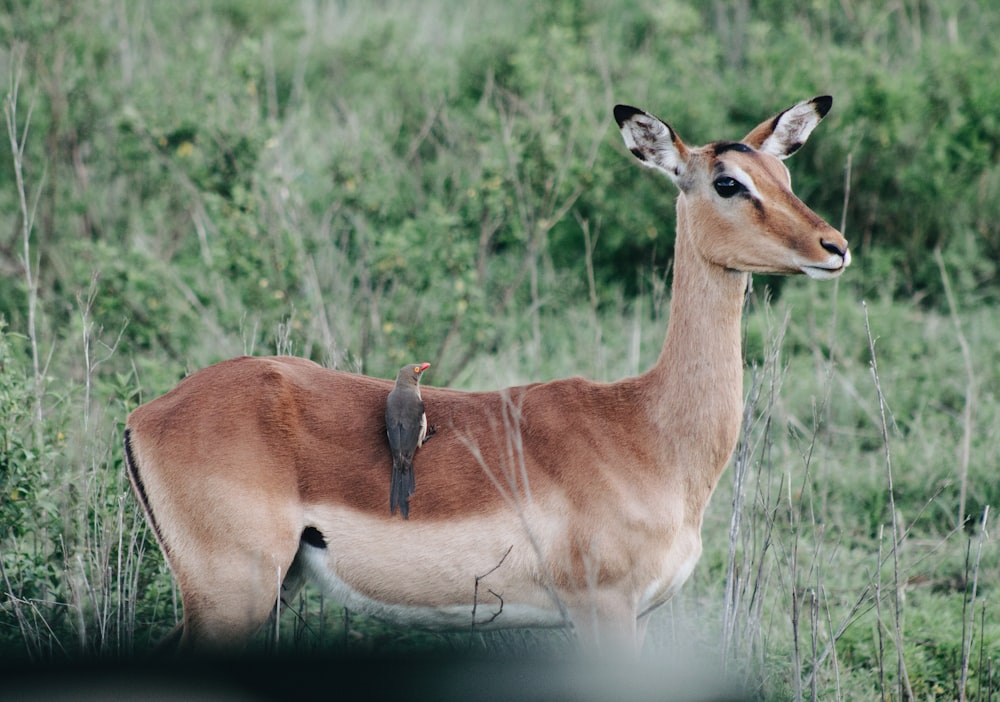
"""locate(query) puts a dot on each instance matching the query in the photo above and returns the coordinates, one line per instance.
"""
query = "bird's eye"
(416, 369)
(728, 187)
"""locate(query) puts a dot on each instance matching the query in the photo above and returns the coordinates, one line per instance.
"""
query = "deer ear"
(652, 141)
(783, 134)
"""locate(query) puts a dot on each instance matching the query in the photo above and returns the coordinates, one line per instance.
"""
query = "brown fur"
(594, 491)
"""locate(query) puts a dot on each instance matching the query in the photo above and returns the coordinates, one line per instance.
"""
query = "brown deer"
(564, 503)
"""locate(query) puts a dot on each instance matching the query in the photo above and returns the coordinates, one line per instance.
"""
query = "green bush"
(415, 146)
(366, 184)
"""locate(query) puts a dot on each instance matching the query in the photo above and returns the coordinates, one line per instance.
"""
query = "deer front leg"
(606, 625)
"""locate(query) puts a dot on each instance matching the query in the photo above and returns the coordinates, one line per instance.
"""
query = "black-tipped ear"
(652, 141)
(823, 104)
(623, 112)
(786, 132)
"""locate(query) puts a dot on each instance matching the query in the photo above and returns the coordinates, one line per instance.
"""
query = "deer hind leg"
(229, 586)
(226, 605)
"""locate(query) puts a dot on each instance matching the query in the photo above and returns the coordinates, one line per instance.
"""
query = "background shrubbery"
(364, 183)
(221, 164)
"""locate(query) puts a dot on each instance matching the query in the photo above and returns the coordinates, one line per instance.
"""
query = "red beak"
(423, 366)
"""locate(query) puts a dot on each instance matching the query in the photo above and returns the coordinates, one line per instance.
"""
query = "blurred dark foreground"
(408, 678)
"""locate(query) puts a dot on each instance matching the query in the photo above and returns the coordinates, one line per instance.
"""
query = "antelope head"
(737, 195)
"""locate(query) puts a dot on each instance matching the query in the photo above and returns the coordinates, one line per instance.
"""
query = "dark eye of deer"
(727, 187)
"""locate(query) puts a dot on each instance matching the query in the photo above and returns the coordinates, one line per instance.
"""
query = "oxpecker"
(406, 427)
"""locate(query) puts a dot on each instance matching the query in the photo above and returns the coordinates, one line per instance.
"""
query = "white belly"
(425, 574)
(434, 574)
(489, 611)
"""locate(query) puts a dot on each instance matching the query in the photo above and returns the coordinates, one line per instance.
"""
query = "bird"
(406, 427)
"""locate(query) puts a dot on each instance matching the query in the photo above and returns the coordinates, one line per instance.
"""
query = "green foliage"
(26, 487)
(31, 554)
(482, 146)
(365, 184)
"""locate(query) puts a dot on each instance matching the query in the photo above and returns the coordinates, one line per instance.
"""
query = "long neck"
(695, 390)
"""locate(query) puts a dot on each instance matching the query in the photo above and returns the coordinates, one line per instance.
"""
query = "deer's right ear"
(652, 141)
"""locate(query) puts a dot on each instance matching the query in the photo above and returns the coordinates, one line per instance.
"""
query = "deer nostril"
(833, 248)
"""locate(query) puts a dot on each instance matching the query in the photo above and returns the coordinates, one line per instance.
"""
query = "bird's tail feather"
(400, 489)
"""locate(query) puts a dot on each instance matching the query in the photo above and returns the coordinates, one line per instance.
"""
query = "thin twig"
(22, 621)
(967, 640)
(513, 484)
(475, 591)
(17, 144)
(904, 683)
(970, 391)
(590, 243)
(832, 339)
(830, 648)
(879, 625)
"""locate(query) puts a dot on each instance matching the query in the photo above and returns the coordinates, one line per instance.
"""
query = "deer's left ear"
(783, 134)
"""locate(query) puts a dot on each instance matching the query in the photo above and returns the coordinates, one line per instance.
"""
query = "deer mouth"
(830, 268)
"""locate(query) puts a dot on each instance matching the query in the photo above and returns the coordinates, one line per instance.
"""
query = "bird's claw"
(431, 431)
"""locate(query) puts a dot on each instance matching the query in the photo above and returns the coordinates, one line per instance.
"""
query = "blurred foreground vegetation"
(365, 183)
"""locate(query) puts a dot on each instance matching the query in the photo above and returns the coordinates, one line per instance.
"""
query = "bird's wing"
(404, 439)
(394, 432)
(404, 425)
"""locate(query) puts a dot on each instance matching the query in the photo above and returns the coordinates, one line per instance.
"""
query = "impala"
(564, 503)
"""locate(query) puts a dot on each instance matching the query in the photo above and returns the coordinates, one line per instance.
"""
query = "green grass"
(815, 541)
(368, 184)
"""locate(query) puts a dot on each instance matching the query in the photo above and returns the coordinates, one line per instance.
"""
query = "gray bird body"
(406, 427)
